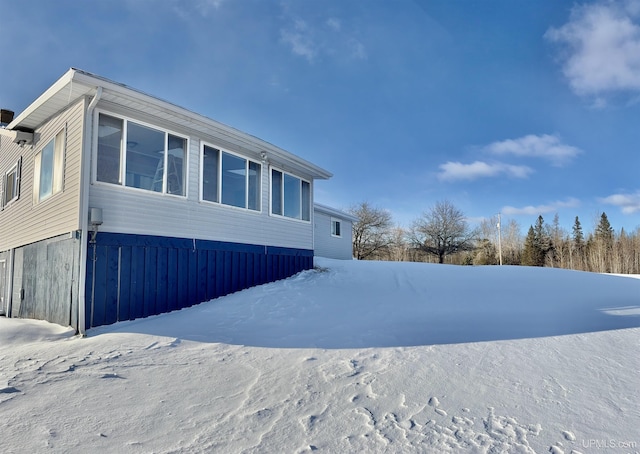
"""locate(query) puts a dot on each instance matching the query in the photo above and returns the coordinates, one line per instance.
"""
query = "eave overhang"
(76, 83)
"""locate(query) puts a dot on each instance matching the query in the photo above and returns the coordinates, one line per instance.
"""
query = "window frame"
(122, 183)
(338, 222)
(17, 169)
(220, 180)
(59, 145)
(304, 208)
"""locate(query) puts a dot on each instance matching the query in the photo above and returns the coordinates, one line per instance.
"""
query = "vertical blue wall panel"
(150, 281)
(183, 278)
(111, 288)
(125, 283)
(211, 275)
(162, 269)
(219, 274)
(192, 289)
(226, 276)
(100, 288)
(137, 284)
(203, 262)
(136, 276)
(172, 281)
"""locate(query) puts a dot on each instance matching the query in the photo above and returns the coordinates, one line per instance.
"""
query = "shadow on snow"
(379, 304)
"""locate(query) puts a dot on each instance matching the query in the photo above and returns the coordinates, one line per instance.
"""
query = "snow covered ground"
(352, 357)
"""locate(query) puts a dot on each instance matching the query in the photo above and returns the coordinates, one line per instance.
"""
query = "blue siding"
(136, 276)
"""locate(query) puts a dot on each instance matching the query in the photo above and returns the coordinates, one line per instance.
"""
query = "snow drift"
(351, 357)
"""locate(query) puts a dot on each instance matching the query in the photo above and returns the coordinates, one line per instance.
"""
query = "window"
(49, 168)
(230, 179)
(11, 184)
(110, 132)
(290, 196)
(210, 163)
(154, 160)
(335, 227)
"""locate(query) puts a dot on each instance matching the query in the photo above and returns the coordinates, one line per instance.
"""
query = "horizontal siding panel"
(329, 246)
(24, 222)
(130, 211)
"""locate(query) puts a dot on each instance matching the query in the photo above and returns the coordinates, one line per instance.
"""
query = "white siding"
(327, 245)
(23, 221)
(128, 210)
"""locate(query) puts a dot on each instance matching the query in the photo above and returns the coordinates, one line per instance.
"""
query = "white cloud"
(300, 38)
(602, 47)
(334, 23)
(459, 171)
(544, 146)
(358, 50)
(629, 203)
(531, 210)
(329, 38)
(186, 10)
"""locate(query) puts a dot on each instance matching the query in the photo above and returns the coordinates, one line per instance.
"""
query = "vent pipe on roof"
(6, 116)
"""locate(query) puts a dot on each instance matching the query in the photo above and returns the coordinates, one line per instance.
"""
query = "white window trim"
(123, 155)
(58, 174)
(282, 216)
(17, 168)
(339, 221)
(222, 150)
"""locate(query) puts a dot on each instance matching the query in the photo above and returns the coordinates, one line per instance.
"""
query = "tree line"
(443, 235)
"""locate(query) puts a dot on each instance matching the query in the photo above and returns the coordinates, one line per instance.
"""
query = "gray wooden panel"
(46, 281)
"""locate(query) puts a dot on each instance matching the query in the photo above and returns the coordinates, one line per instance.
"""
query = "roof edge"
(87, 78)
(92, 81)
(40, 100)
(334, 211)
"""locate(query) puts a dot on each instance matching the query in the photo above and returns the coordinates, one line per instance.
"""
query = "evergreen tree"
(604, 231)
(532, 254)
(578, 237)
(542, 242)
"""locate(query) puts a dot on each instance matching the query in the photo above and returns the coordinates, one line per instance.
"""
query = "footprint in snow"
(434, 402)
(9, 390)
(556, 450)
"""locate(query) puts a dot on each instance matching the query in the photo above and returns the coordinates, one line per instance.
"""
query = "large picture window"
(154, 160)
(230, 179)
(290, 196)
(49, 168)
(11, 184)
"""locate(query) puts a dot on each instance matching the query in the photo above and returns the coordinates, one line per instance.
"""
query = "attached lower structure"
(134, 276)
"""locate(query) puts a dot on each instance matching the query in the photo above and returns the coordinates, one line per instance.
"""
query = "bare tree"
(442, 231)
(398, 246)
(371, 232)
(512, 243)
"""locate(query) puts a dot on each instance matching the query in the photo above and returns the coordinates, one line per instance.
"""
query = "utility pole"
(499, 240)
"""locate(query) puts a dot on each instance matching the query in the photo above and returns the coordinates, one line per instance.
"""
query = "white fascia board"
(42, 99)
(63, 93)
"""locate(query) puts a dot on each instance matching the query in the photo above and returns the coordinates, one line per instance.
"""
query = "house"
(333, 232)
(118, 205)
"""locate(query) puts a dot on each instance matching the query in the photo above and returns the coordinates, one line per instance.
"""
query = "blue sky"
(518, 107)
